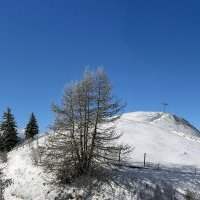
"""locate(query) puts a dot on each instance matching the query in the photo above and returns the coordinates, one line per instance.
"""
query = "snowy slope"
(165, 138)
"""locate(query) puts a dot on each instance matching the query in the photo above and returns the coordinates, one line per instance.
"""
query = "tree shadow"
(123, 183)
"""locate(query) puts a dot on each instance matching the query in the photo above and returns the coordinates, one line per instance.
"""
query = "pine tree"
(8, 130)
(32, 127)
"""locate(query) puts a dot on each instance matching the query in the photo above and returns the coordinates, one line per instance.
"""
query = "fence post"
(145, 159)
(119, 157)
(158, 166)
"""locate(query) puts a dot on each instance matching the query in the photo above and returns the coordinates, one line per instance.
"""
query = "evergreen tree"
(8, 131)
(32, 127)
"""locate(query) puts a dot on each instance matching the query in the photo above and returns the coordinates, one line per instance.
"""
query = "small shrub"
(190, 195)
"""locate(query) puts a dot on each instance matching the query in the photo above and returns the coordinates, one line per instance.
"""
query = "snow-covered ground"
(28, 180)
(167, 140)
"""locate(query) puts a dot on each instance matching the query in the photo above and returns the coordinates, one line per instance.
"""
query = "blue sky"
(150, 50)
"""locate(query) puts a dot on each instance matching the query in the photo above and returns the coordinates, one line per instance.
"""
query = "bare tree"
(84, 127)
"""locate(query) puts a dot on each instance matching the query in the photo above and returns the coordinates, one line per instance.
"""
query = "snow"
(28, 180)
(165, 138)
(168, 140)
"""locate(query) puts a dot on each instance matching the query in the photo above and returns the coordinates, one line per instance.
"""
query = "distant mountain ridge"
(173, 121)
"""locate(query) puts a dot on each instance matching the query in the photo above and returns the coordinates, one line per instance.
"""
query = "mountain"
(164, 137)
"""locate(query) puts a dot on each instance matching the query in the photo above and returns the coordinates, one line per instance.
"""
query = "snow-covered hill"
(165, 138)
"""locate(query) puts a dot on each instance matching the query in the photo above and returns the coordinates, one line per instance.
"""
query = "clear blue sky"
(150, 49)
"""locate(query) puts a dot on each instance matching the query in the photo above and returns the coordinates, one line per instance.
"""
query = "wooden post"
(145, 159)
(158, 166)
(119, 158)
